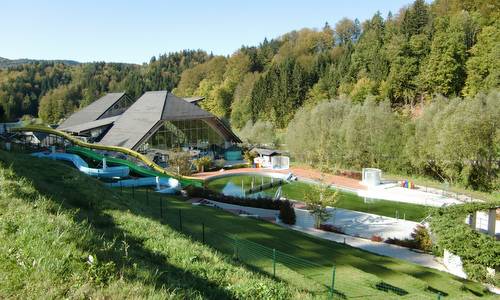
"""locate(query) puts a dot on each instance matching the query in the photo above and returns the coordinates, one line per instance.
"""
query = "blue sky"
(133, 31)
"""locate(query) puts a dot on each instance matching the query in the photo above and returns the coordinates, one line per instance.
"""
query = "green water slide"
(153, 168)
(143, 171)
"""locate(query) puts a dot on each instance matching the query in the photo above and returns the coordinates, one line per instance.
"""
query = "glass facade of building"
(185, 133)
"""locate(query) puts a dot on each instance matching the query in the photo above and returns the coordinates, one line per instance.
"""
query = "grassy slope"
(146, 255)
(54, 218)
(346, 200)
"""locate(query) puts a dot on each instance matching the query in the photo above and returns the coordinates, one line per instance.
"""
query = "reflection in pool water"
(231, 189)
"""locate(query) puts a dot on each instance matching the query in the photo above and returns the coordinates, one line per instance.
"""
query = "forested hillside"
(53, 90)
(6, 63)
(449, 47)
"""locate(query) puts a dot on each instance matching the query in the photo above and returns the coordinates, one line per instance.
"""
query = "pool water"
(235, 185)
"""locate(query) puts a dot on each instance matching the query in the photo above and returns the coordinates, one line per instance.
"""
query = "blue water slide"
(163, 185)
(82, 166)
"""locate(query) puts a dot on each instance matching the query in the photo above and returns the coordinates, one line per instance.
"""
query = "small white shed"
(371, 176)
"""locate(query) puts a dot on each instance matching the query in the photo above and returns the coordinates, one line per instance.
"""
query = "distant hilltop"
(6, 63)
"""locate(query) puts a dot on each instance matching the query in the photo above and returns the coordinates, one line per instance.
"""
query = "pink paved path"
(340, 181)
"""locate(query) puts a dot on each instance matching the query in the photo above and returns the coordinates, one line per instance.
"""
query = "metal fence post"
(133, 191)
(332, 288)
(203, 233)
(161, 208)
(274, 262)
(235, 254)
(438, 296)
(147, 196)
(121, 187)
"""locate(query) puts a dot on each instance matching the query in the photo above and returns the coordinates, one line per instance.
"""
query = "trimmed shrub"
(202, 163)
(331, 228)
(422, 238)
(408, 243)
(262, 202)
(287, 213)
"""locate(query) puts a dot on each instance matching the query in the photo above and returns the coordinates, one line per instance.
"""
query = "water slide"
(158, 171)
(142, 171)
(163, 184)
(80, 164)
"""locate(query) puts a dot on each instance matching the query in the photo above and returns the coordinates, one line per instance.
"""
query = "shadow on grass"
(159, 273)
(297, 244)
(436, 291)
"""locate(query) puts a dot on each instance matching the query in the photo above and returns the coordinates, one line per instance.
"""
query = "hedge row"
(287, 213)
(477, 250)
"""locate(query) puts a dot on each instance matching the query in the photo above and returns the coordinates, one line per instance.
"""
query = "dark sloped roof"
(136, 121)
(179, 109)
(91, 125)
(92, 111)
(144, 116)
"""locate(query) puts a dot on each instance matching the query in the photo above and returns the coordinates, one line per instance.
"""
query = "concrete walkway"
(403, 253)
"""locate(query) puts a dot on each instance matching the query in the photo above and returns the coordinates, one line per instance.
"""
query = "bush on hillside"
(408, 243)
(476, 250)
(179, 162)
(331, 228)
(422, 238)
(203, 163)
(287, 213)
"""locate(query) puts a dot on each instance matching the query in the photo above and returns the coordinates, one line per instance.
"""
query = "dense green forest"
(413, 76)
(449, 47)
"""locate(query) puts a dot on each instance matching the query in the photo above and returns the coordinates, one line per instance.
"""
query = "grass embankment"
(140, 253)
(297, 191)
(64, 235)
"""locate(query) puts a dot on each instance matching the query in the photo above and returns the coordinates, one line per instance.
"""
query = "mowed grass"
(358, 273)
(140, 252)
(65, 235)
(297, 191)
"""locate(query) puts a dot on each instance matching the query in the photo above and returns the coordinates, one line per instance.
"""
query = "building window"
(196, 134)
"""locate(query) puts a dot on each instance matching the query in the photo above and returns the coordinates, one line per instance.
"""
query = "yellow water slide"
(186, 180)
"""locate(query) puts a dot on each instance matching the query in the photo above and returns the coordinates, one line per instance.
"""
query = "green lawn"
(64, 235)
(297, 191)
(142, 254)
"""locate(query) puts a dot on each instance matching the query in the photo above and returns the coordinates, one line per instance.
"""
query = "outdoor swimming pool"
(236, 184)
